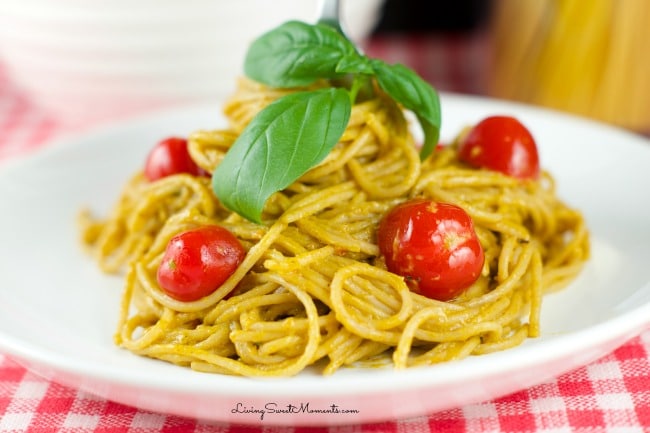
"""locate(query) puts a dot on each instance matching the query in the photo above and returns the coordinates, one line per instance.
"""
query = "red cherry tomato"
(433, 245)
(197, 262)
(501, 143)
(170, 156)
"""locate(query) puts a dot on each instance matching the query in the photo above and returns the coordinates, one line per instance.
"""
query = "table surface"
(610, 394)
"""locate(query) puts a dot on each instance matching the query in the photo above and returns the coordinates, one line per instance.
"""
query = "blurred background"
(94, 60)
(67, 65)
(590, 58)
(450, 47)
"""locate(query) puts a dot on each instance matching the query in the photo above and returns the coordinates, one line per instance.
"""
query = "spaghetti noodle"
(535, 58)
(313, 289)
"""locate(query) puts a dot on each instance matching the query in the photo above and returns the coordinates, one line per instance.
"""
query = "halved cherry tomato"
(433, 245)
(501, 143)
(198, 261)
(170, 156)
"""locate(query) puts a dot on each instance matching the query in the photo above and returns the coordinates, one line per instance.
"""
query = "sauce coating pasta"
(313, 289)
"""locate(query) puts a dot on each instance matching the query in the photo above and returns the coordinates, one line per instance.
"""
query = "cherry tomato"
(198, 261)
(170, 156)
(433, 245)
(501, 143)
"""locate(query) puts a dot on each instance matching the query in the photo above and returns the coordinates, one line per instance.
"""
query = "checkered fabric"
(611, 394)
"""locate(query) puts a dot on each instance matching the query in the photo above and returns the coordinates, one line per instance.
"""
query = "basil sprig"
(297, 54)
(287, 138)
(296, 132)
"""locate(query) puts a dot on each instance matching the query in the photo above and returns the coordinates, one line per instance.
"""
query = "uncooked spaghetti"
(313, 289)
(588, 58)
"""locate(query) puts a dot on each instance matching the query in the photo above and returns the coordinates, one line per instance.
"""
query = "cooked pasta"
(313, 289)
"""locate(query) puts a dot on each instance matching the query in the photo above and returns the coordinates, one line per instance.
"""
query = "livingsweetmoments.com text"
(275, 408)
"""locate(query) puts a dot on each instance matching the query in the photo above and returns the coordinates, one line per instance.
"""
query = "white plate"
(58, 312)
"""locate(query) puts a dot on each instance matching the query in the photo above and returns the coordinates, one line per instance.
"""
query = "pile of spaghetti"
(313, 289)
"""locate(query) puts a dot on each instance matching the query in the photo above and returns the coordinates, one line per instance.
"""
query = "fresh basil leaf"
(415, 94)
(296, 54)
(355, 64)
(280, 144)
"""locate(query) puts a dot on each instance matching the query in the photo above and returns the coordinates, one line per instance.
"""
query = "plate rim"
(616, 327)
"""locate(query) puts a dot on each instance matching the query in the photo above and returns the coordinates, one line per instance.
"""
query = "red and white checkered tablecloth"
(611, 394)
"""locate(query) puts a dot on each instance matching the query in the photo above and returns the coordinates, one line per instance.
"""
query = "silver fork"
(330, 14)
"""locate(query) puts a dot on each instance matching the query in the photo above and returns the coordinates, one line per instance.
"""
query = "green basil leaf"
(296, 54)
(415, 94)
(280, 144)
(355, 64)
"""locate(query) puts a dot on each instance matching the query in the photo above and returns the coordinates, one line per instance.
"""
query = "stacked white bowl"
(90, 60)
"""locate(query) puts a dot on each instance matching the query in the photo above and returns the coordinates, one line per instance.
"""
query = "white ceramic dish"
(58, 312)
(86, 62)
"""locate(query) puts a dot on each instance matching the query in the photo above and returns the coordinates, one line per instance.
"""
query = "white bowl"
(85, 61)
